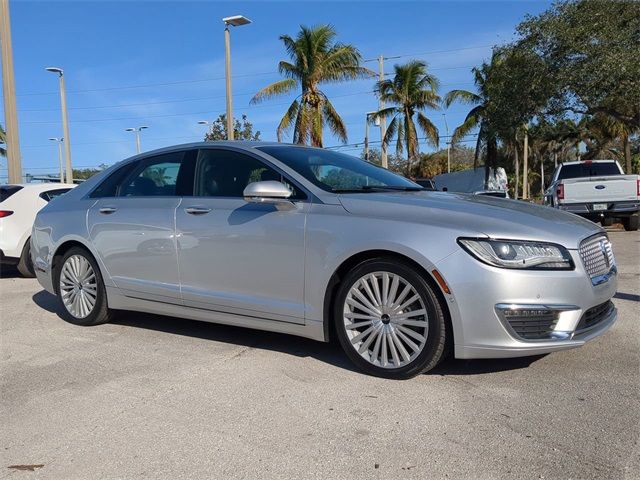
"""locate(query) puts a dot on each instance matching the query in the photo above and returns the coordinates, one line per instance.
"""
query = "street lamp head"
(144, 127)
(236, 20)
(57, 70)
(203, 122)
(54, 139)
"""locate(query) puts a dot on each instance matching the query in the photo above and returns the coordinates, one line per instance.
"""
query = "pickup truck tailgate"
(600, 189)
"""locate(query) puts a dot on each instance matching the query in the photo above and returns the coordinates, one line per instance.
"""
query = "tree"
(317, 59)
(412, 90)
(241, 131)
(591, 60)
(3, 141)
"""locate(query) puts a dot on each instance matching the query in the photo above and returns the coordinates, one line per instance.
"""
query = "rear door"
(238, 257)
(133, 230)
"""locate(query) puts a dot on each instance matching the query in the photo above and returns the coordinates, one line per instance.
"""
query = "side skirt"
(118, 301)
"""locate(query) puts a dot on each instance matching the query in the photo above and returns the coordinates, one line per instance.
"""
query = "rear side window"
(7, 190)
(588, 169)
(51, 194)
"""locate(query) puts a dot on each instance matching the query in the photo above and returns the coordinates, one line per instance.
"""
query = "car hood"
(474, 215)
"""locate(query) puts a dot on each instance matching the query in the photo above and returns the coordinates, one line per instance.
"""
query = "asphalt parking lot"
(155, 397)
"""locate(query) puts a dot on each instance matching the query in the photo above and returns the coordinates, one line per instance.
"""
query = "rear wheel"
(25, 264)
(80, 288)
(631, 223)
(389, 320)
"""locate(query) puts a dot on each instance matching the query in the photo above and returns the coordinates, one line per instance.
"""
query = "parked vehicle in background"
(473, 181)
(316, 243)
(426, 183)
(598, 190)
(19, 205)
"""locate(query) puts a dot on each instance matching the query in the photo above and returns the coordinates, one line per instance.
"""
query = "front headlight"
(518, 254)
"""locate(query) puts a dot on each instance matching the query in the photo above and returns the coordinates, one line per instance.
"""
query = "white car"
(19, 205)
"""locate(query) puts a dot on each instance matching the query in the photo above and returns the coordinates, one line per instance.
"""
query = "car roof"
(242, 144)
(582, 162)
(40, 186)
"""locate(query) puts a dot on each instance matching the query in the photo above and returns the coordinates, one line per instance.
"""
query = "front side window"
(154, 177)
(337, 172)
(225, 173)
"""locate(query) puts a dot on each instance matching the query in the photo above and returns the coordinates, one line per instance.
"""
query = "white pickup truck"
(598, 190)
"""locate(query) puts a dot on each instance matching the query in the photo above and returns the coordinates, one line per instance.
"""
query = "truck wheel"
(607, 221)
(631, 223)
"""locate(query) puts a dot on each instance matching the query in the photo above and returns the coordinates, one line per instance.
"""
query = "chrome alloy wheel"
(78, 286)
(385, 319)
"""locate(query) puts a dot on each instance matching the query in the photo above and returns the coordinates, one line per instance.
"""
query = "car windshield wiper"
(377, 188)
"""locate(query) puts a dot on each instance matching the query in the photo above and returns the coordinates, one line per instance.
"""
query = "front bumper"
(480, 293)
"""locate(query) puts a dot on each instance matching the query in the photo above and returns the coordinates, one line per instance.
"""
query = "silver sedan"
(322, 245)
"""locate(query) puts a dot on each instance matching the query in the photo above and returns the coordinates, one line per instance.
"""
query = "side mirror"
(268, 191)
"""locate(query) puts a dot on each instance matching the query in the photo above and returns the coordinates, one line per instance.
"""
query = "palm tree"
(411, 90)
(476, 118)
(3, 141)
(316, 59)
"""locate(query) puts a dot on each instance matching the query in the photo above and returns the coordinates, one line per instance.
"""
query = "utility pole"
(366, 139)
(14, 163)
(525, 164)
(383, 120)
(59, 142)
(444, 115)
(65, 120)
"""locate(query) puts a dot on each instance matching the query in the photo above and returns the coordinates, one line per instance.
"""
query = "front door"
(239, 257)
(133, 231)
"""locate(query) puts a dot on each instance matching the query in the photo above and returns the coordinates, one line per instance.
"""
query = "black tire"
(607, 221)
(25, 264)
(630, 223)
(434, 347)
(100, 312)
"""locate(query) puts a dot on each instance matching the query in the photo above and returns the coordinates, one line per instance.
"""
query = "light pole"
(59, 141)
(444, 115)
(65, 121)
(235, 21)
(137, 132)
(14, 163)
(366, 134)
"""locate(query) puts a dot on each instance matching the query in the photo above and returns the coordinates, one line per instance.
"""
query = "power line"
(244, 75)
(432, 52)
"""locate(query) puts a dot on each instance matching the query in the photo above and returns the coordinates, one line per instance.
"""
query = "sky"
(161, 64)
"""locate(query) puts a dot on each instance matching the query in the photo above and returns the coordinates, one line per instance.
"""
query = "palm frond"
(335, 122)
(429, 129)
(277, 88)
(462, 96)
(285, 124)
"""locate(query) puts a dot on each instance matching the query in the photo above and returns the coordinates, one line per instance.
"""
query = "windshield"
(337, 172)
(588, 169)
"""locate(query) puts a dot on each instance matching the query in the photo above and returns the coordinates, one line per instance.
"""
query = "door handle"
(108, 210)
(197, 210)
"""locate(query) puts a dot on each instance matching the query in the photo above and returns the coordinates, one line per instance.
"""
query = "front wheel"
(389, 320)
(80, 289)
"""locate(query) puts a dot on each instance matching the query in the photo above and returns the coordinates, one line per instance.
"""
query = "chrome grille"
(597, 255)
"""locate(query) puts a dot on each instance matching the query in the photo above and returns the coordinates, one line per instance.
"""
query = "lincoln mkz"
(319, 244)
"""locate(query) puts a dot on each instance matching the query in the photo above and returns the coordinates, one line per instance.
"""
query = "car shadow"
(9, 272)
(330, 353)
